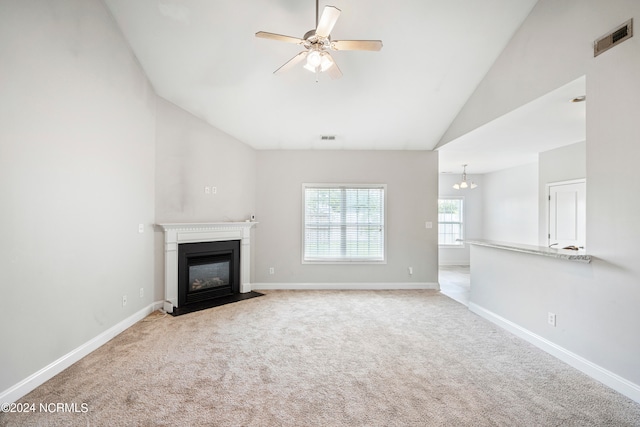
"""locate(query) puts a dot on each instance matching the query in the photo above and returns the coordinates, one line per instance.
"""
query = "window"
(343, 223)
(450, 222)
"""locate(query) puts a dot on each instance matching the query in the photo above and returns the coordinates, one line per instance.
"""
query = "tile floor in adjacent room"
(455, 282)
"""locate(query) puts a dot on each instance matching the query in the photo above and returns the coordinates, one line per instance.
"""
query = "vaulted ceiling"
(516, 138)
(203, 56)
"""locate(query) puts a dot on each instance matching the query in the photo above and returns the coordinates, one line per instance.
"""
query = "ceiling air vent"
(613, 38)
(328, 137)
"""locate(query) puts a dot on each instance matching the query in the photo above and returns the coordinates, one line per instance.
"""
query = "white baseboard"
(345, 286)
(31, 382)
(616, 382)
(447, 263)
(158, 305)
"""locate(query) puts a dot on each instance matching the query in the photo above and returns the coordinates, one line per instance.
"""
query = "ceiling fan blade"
(279, 37)
(328, 19)
(292, 62)
(357, 44)
(333, 71)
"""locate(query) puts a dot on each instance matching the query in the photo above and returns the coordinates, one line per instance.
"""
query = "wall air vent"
(328, 137)
(613, 38)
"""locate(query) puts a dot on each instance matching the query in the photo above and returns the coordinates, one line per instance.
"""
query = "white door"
(567, 214)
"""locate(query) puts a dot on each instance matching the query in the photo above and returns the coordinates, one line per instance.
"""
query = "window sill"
(342, 262)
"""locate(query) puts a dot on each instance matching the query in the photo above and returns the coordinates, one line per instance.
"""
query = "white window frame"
(382, 260)
(462, 223)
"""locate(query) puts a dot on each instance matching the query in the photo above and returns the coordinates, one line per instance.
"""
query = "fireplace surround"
(181, 235)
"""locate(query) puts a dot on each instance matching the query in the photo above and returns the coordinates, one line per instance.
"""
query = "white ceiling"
(549, 122)
(202, 55)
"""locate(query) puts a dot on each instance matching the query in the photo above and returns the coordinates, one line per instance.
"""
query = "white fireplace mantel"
(177, 233)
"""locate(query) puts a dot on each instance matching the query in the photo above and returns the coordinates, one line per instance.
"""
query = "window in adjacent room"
(343, 223)
(451, 222)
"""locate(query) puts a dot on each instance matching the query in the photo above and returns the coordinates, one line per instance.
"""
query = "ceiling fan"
(318, 43)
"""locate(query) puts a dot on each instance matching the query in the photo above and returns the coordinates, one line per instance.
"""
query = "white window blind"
(450, 222)
(344, 223)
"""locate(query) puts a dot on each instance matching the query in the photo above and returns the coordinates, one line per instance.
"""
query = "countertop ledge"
(567, 254)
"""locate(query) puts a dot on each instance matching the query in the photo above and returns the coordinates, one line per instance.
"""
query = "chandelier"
(464, 184)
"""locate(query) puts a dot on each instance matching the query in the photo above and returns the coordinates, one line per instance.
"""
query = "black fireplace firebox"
(208, 272)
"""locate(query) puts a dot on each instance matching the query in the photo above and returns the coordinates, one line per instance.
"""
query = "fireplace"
(207, 286)
(207, 270)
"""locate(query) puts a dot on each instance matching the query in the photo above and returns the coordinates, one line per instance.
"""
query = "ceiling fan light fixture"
(314, 59)
(326, 62)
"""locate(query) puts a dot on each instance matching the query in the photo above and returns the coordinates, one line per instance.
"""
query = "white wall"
(473, 216)
(562, 164)
(510, 207)
(412, 192)
(536, 59)
(613, 230)
(76, 178)
(192, 155)
(553, 47)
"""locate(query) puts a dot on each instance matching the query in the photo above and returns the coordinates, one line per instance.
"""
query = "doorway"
(567, 214)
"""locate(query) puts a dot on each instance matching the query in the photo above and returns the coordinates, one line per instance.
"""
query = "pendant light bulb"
(314, 59)
(326, 62)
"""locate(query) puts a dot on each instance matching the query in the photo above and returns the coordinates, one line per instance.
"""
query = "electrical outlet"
(272, 270)
(214, 190)
(140, 228)
(124, 300)
(207, 190)
(551, 319)
(141, 292)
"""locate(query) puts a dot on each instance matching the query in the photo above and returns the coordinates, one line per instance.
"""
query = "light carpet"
(326, 358)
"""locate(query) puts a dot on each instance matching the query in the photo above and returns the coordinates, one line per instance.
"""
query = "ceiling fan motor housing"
(311, 39)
